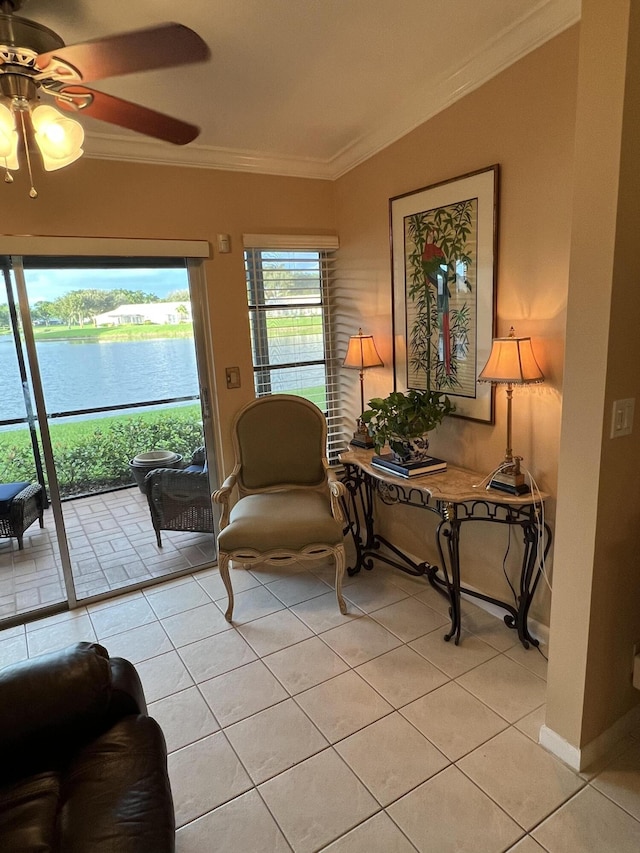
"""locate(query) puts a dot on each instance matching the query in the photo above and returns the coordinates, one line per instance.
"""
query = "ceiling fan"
(34, 61)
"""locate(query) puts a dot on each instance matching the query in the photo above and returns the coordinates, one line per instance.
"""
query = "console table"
(454, 496)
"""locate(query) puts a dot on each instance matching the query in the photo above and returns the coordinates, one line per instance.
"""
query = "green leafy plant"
(394, 419)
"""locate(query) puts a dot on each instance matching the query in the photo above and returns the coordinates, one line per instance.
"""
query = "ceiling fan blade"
(164, 46)
(132, 116)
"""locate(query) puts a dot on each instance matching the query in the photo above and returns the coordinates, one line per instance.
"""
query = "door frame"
(193, 252)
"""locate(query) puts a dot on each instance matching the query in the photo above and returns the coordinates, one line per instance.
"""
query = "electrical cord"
(484, 483)
(542, 653)
(535, 491)
(540, 530)
(537, 495)
(504, 566)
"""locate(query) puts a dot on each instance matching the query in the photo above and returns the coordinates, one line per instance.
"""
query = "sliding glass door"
(30, 568)
(106, 411)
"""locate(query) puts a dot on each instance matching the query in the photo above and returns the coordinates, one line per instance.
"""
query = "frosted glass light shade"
(8, 139)
(58, 138)
(511, 361)
(362, 352)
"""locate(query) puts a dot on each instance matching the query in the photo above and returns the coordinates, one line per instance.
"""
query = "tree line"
(77, 307)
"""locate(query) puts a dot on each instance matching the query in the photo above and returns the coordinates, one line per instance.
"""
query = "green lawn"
(79, 430)
(130, 332)
(305, 325)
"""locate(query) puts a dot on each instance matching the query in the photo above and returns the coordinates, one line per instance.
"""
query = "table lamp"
(361, 354)
(511, 362)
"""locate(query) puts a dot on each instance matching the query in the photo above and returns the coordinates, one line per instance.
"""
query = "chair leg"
(223, 566)
(340, 559)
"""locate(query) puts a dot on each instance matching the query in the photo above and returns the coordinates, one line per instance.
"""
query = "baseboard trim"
(537, 629)
(581, 758)
(561, 748)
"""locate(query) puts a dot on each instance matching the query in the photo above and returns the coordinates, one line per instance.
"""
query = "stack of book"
(430, 465)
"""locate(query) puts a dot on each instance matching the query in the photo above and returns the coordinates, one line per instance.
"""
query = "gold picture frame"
(443, 265)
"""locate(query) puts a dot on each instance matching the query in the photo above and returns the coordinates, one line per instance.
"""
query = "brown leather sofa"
(83, 769)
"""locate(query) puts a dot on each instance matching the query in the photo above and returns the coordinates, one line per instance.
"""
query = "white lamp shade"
(511, 361)
(58, 138)
(8, 139)
(362, 352)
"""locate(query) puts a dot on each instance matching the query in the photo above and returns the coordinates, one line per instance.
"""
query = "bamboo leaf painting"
(440, 248)
(443, 240)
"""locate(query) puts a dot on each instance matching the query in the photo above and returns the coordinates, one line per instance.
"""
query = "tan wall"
(596, 603)
(109, 199)
(524, 120)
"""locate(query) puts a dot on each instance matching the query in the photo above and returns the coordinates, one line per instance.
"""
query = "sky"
(47, 285)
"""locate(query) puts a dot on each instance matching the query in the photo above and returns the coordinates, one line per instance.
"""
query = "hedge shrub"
(96, 458)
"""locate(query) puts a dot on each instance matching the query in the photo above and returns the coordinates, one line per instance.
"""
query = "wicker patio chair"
(180, 499)
(20, 505)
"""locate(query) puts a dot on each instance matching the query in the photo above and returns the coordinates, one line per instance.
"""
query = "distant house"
(147, 312)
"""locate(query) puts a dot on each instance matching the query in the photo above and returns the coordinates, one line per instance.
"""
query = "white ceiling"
(305, 87)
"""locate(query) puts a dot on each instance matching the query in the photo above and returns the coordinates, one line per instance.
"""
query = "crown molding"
(545, 21)
(134, 149)
(542, 23)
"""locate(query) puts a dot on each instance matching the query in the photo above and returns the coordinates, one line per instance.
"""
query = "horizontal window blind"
(291, 242)
(289, 298)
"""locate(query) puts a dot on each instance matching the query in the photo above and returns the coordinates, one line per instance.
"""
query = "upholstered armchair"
(289, 500)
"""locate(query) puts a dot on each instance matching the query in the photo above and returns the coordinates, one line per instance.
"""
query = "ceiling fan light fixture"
(8, 139)
(35, 61)
(59, 138)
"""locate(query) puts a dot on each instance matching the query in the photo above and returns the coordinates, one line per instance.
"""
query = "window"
(289, 311)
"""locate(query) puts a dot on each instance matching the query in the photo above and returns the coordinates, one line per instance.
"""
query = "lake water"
(84, 375)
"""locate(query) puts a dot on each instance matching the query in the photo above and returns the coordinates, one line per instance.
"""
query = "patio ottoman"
(20, 505)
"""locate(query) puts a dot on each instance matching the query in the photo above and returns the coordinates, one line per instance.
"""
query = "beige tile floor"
(112, 544)
(299, 729)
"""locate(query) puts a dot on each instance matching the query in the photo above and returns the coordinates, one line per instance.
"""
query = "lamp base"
(522, 489)
(358, 441)
(361, 437)
(510, 479)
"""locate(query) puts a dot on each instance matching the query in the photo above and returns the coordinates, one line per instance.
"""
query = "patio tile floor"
(111, 544)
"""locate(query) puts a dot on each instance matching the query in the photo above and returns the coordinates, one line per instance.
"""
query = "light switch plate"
(224, 243)
(233, 377)
(622, 417)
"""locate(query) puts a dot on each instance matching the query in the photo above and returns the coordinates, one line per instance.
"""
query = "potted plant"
(403, 420)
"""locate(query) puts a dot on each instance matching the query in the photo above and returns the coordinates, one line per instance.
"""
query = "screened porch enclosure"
(85, 400)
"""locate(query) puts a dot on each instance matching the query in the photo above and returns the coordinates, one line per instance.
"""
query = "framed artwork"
(443, 265)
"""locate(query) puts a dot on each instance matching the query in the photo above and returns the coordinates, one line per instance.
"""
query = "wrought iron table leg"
(359, 512)
(530, 576)
(449, 527)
